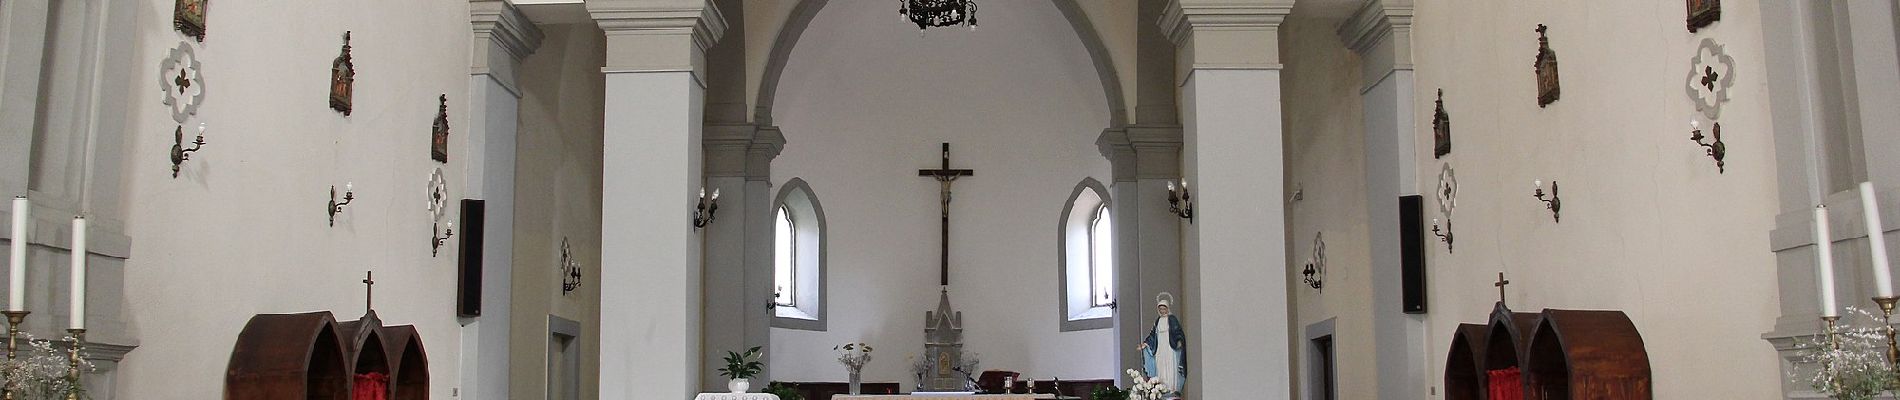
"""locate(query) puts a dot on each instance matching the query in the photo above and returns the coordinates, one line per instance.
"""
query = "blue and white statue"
(1167, 362)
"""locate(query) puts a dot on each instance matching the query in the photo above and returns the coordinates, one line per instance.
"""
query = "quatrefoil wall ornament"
(182, 82)
(1447, 192)
(1711, 73)
(438, 196)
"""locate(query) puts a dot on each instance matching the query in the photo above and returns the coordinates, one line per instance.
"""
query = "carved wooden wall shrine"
(312, 356)
(1551, 355)
(1441, 128)
(1547, 89)
(1703, 12)
(343, 79)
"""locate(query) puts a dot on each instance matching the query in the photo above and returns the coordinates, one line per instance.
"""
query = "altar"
(926, 396)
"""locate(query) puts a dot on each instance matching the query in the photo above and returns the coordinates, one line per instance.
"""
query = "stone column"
(1235, 308)
(650, 275)
(1381, 34)
(502, 37)
(739, 244)
(1147, 237)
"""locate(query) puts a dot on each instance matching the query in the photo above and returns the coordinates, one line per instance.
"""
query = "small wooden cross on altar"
(944, 177)
(369, 290)
(1500, 284)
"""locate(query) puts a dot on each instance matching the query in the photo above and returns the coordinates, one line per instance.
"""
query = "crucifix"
(945, 176)
(369, 290)
(1500, 284)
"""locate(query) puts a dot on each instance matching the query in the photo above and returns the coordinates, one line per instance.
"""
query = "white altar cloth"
(944, 397)
(736, 396)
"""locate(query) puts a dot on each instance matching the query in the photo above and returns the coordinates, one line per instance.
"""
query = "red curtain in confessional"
(371, 386)
(1506, 384)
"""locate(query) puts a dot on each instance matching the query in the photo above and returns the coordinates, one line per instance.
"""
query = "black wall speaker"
(468, 279)
(1412, 252)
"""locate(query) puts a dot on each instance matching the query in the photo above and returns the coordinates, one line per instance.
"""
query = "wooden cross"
(945, 176)
(369, 290)
(1500, 284)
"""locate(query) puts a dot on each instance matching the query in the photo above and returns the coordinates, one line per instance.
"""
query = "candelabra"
(1552, 203)
(1886, 322)
(435, 242)
(14, 319)
(179, 152)
(1181, 202)
(703, 214)
(1443, 235)
(349, 195)
(73, 361)
(1716, 150)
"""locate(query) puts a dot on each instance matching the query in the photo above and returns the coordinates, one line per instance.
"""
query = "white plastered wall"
(1648, 226)
(241, 233)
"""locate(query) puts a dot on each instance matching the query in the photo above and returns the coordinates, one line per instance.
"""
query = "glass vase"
(856, 384)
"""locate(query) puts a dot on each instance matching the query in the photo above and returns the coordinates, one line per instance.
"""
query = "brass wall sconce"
(1443, 235)
(703, 214)
(1180, 202)
(435, 242)
(1552, 203)
(1716, 150)
(179, 152)
(349, 195)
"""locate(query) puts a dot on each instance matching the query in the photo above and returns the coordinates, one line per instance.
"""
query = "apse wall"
(1649, 226)
(864, 102)
(241, 231)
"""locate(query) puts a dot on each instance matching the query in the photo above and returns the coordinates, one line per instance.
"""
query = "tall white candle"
(1883, 273)
(78, 310)
(1824, 262)
(16, 267)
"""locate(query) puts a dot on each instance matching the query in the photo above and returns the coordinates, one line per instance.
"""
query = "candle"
(1824, 262)
(16, 268)
(1876, 240)
(78, 291)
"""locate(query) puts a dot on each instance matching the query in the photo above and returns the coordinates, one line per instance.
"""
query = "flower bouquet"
(1146, 388)
(854, 356)
(1854, 363)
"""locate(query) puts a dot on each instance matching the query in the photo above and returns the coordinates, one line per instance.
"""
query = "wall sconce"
(1552, 203)
(349, 195)
(570, 270)
(1181, 203)
(1443, 235)
(1315, 273)
(703, 214)
(1715, 150)
(179, 152)
(435, 243)
(1299, 193)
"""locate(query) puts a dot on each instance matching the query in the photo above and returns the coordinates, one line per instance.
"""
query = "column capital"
(658, 35)
(1142, 151)
(503, 36)
(1226, 34)
(740, 149)
(1381, 33)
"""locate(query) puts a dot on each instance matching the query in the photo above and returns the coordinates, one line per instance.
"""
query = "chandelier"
(938, 13)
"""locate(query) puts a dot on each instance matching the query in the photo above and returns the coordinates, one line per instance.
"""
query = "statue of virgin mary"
(1164, 351)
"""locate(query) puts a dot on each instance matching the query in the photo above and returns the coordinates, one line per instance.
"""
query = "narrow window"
(784, 271)
(1101, 258)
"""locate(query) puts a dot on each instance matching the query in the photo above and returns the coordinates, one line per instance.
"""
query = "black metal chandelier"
(939, 13)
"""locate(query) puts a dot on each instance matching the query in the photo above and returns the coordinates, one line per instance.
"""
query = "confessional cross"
(1500, 284)
(369, 290)
(184, 83)
(945, 176)
(1709, 76)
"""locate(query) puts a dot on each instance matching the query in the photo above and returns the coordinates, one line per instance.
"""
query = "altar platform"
(929, 396)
